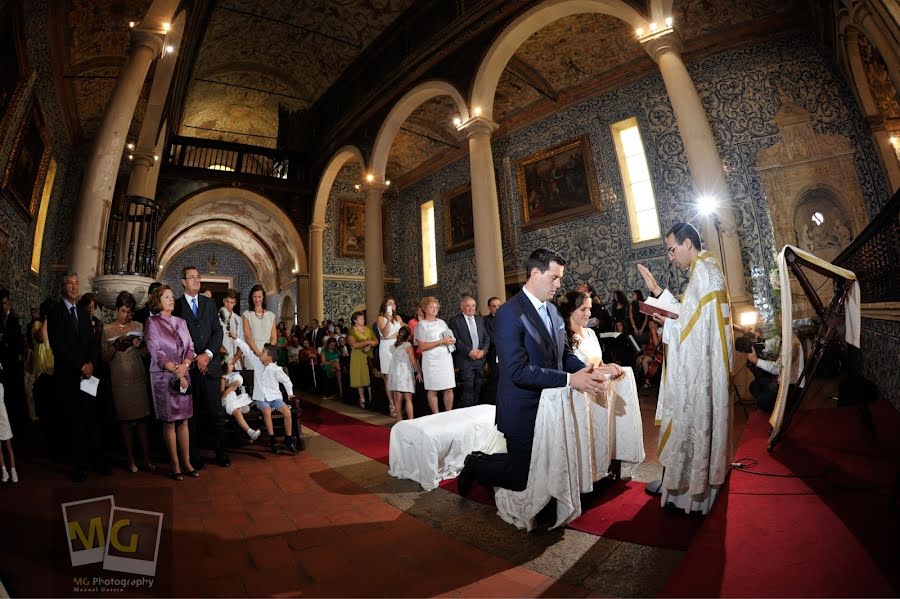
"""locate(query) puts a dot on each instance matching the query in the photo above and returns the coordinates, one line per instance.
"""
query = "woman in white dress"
(259, 326)
(404, 373)
(388, 323)
(625, 441)
(435, 341)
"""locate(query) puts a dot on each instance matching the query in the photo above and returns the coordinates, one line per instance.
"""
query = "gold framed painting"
(26, 169)
(557, 184)
(14, 71)
(459, 226)
(352, 228)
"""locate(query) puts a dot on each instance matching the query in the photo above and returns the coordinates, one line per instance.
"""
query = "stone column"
(316, 268)
(142, 183)
(106, 154)
(703, 159)
(489, 276)
(374, 249)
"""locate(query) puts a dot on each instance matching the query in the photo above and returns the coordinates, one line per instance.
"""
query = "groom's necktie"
(545, 316)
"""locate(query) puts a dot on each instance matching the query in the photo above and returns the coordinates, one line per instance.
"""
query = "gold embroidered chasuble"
(694, 406)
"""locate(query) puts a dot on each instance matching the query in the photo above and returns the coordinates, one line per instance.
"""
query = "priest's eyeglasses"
(671, 251)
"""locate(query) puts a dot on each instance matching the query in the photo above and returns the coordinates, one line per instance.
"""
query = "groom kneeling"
(530, 338)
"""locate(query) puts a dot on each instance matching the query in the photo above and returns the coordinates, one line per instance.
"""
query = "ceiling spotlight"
(357, 187)
(457, 121)
(130, 156)
(387, 182)
(155, 158)
(668, 21)
(477, 111)
(370, 177)
(131, 24)
(707, 205)
(170, 49)
(639, 31)
(166, 27)
(653, 26)
(129, 145)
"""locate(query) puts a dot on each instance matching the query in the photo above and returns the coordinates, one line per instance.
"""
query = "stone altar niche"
(812, 187)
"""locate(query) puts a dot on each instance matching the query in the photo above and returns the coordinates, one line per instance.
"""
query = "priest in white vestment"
(694, 408)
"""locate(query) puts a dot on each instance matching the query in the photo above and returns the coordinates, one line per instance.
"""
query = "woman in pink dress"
(171, 354)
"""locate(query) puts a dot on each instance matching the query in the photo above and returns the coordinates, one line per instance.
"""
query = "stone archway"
(317, 227)
(505, 45)
(287, 312)
(401, 111)
(244, 220)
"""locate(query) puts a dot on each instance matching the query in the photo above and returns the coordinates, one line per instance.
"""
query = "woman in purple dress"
(171, 354)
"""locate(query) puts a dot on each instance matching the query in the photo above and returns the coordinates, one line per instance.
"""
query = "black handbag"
(175, 384)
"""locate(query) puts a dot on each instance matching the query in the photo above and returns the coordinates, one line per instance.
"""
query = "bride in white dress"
(626, 434)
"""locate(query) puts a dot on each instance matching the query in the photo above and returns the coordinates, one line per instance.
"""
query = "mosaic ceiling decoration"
(96, 37)
(257, 55)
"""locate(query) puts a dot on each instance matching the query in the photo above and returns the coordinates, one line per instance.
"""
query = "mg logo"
(122, 539)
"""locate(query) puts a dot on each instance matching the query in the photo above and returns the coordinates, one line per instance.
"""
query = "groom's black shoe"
(465, 480)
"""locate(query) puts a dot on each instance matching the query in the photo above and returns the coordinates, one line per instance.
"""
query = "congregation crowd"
(181, 366)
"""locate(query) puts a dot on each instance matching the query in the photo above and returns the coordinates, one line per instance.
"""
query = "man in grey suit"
(472, 343)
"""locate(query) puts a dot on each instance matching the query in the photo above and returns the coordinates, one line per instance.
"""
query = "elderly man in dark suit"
(530, 337)
(75, 354)
(472, 343)
(202, 319)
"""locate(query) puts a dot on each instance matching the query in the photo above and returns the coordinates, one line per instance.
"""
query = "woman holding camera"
(171, 353)
(388, 323)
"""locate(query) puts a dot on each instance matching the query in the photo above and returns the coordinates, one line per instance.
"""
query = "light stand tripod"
(738, 400)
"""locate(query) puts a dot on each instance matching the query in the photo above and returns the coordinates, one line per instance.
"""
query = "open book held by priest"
(655, 306)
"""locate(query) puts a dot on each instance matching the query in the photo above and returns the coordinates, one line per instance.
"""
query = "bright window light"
(818, 218)
(429, 251)
(220, 167)
(642, 215)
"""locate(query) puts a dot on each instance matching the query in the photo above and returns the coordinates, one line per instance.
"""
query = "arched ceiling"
(574, 52)
(263, 233)
(257, 55)
(91, 40)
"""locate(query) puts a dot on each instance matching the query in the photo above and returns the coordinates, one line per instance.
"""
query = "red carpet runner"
(832, 533)
(617, 510)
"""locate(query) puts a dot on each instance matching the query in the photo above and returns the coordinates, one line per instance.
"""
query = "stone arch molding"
(243, 219)
(401, 111)
(510, 39)
(337, 162)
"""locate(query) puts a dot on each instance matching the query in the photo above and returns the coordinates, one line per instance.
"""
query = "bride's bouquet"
(224, 316)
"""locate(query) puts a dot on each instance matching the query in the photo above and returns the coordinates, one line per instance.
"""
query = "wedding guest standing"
(435, 340)
(259, 325)
(361, 339)
(171, 354)
(124, 350)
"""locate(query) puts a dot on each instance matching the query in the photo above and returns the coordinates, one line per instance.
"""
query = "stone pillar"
(142, 183)
(703, 159)
(374, 249)
(489, 276)
(316, 268)
(106, 154)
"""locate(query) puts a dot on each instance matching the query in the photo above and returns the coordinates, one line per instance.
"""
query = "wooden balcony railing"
(197, 158)
(875, 256)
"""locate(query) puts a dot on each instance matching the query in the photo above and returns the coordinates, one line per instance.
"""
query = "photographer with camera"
(764, 387)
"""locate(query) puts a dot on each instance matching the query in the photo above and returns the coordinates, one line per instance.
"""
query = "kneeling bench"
(433, 448)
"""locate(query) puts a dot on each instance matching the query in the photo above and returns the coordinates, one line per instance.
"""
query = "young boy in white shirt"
(266, 392)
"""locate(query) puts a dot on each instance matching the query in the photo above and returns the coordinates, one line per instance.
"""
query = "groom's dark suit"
(531, 359)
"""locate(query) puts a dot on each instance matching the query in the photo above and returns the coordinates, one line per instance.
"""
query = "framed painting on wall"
(459, 227)
(557, 184)
(352, 229)
(13, 64)
(26, 169)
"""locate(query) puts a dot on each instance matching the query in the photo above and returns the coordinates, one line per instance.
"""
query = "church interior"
(341, 152)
